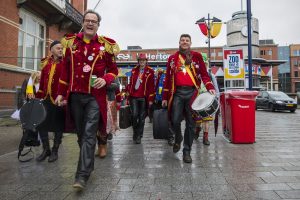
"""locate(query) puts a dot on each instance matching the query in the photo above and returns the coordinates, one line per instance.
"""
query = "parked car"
(275, 100)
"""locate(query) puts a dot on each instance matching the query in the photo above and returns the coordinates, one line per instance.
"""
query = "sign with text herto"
(233, 64)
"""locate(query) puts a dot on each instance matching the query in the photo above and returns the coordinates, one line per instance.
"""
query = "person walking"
(180, 89)
(90, 67)
(50, 72)
(141, 95)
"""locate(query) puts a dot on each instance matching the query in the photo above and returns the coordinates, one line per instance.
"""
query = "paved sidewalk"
(268, 169)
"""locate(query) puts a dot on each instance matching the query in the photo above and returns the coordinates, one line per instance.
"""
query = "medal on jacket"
(90, 58)
(86, 68)
(183, 69)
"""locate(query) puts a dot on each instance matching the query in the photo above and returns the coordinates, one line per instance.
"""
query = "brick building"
(295, 67)
(28, 27)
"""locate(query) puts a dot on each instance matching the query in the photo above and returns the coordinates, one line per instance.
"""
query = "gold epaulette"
(67, 41)
(44, 62)
(110, 45)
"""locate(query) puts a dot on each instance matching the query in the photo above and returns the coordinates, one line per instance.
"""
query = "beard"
(188, 55)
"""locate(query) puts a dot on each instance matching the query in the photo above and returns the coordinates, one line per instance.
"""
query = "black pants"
(138, 112)
(85, 113)
(180, 108)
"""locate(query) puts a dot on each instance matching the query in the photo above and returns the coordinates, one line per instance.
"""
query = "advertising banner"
(233, 64)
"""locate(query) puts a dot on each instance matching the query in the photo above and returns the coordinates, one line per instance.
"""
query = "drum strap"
(188, 69)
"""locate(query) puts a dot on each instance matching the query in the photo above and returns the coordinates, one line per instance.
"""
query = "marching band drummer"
(180, 89)
(51, 69)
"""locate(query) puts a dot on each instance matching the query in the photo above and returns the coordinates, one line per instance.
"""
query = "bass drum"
(205, 105)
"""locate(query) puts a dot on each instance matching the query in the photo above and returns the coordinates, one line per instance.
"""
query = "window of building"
(295, 63)
(270, 52)
(31, 41)
(296, 73)
(262, 52)
(220, 54)
(297, 87)
(296, 52)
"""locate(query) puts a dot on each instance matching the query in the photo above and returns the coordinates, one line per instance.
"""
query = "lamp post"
(249, 44)
(210, 27)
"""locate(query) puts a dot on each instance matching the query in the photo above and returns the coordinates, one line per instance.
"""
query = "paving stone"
(271, 186)
(128, 195)
(171, 196)
(46, 195)
(292, 194)
(87, 195)
(257, 195)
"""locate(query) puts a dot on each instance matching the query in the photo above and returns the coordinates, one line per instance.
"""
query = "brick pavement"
(268, 169)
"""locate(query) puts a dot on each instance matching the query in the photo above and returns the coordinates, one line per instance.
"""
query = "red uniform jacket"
(84, 60)
(147, 85)
(197, 73)
(50, 75)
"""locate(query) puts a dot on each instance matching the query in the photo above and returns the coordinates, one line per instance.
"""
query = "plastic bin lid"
(231, 94)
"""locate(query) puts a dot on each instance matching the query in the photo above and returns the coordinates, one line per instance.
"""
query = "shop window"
(31, 41)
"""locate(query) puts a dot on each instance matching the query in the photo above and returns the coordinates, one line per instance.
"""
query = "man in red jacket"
(90, 67)
(184, 69)
(51, 68)
(141, 95)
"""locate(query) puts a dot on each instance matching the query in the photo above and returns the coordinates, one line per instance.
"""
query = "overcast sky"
(159, 23)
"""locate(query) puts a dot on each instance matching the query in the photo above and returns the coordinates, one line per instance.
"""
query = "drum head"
(203, 101)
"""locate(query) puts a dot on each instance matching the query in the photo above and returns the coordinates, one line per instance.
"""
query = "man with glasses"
(90, 67)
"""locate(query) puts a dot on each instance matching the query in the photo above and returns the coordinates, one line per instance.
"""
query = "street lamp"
(210, 27)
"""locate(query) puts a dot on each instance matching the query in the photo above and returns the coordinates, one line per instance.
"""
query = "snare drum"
(204, 106)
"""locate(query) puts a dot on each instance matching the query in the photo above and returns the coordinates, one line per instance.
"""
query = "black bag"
(32, 114)
(160, 124)
(29, 139)
(125, 117)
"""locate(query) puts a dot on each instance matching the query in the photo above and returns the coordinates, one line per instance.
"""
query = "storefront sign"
(133, 56)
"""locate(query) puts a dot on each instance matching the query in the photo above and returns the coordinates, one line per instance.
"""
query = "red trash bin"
(240, 116)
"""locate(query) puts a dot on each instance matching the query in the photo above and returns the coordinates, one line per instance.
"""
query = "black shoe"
(171, 141)
(109, 136)
(79, 184)
(177, 145)
(53, 157)
(138, 140)
(187, 158)
(44, 155)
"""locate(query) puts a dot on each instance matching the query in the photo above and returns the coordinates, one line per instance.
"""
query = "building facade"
(28, 27)
(295, 67)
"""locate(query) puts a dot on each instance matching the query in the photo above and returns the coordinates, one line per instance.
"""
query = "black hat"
(55, 42)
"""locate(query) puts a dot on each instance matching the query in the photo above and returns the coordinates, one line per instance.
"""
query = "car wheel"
(292, 111)
(271, 107)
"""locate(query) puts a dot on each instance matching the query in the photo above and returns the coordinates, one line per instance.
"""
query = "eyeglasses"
(94, 22)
